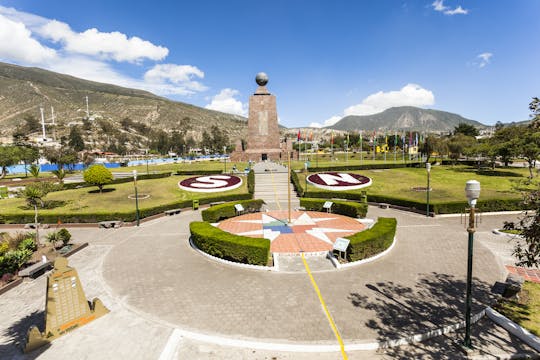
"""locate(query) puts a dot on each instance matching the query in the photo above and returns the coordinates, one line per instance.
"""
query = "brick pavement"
(153, 282)
(528, 274)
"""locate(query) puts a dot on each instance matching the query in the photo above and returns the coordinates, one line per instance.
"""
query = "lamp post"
(136, 197)
(472, 191)
(224, 159)
(428, 169)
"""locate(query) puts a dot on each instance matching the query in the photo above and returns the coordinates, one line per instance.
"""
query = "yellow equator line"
(328, 316)
(275, 192)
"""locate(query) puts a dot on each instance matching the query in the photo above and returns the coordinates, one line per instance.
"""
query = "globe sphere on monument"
(261, 79)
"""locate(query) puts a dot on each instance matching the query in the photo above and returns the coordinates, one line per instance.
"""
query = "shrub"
(4, 247)
(119, 180)
(64, 236)
(224, 245)
(251, 182)
(98, 175)
(28, 244)
(347, 208)
(370, 242)
(227, 210)
(296, 184)
(365, 167)
(12, 261)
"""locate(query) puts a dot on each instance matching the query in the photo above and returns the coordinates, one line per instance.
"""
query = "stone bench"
(384, 205)
(216, 203)
(172, 212)
(33, 226)
(36, 269)
(110, 224)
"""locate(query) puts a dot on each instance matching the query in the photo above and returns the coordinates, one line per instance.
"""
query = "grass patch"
(526, 310)
(83, 201)
(447, 183)
(512, 232)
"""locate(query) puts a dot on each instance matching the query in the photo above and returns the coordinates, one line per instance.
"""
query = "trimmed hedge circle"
(227, 246)
(368, 243)
(347, 208)
(224, 211)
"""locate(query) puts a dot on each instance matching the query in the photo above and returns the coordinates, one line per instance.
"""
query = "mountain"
(24, 90)
(405, 118)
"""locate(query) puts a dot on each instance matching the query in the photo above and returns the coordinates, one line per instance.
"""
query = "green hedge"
(251, 182)
(198, 172)
(347, 208)
(366, 166)
(225, 211)
(224, 245)
(370, 242)
(111, 215)
(118, 181)
(296, 184)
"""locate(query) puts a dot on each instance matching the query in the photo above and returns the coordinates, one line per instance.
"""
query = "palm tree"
(60, 174)
(34, 195)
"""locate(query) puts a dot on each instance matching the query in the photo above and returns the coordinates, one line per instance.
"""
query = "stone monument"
(263, 142)
(66, 307)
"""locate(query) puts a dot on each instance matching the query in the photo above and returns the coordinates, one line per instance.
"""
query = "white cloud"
(409, 95)
(457, 11)
(108, 45)
(226, 102)
(90, 54)
(179, 75)
(438, 5)
(485, 58)
(17, 43)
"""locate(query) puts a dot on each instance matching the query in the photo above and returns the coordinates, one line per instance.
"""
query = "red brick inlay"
(315, 232)
(528, 274)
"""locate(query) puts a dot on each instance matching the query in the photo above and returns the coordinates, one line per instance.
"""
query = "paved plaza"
(167, 301)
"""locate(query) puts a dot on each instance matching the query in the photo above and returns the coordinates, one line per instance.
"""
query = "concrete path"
(272, 187)
(169, 302)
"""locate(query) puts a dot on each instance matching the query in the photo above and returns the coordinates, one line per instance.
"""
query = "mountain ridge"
(406, 118)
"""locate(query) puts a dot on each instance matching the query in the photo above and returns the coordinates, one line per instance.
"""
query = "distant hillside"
(405, 118)
(23, 90)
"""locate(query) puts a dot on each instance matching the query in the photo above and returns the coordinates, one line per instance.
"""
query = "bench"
(33, 226)
(216, 203)
(384, 205)
(172, 212)
(36, 269)
(110, 224)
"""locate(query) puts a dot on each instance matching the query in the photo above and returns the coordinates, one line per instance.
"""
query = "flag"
(311, 136)
(416, 140)
(332, 138)
(298, 137)
(395, 138)
(410, 138)
(347, 138)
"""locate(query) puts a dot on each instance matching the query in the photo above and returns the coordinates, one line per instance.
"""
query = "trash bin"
(195, 204)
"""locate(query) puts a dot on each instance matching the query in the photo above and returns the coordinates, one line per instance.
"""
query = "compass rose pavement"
(308, 231)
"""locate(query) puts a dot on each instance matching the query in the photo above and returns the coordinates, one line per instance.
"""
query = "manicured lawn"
(162, 191)
(194, 166)
(447, 183)
(525, 311)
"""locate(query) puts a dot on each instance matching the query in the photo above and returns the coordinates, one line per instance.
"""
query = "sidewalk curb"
(514, 329)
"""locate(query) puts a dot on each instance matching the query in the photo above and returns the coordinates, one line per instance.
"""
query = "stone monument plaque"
(66, 306)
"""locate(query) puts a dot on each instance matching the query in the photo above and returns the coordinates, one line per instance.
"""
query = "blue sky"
(325, 59)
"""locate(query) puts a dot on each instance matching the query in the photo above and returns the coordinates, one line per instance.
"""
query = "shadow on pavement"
(16, 334)
(437, 300)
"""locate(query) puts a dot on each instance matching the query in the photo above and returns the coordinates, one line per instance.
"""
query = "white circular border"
(339, 188)
(207, 190)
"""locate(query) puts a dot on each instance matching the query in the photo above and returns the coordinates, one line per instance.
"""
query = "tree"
(34, 195)
(60, 175)
(61, 157)
(28, 155)
(98, 175)
(75, 139)
(31, 123)
(466, 129)
(206, 142)
(527, 144)
(458, 144)
(34, 170)
(527, 251)
(9, 155)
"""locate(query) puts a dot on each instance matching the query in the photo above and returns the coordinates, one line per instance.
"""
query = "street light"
(225, 159)
(472, 191)
(428, 169)
(136, 197)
